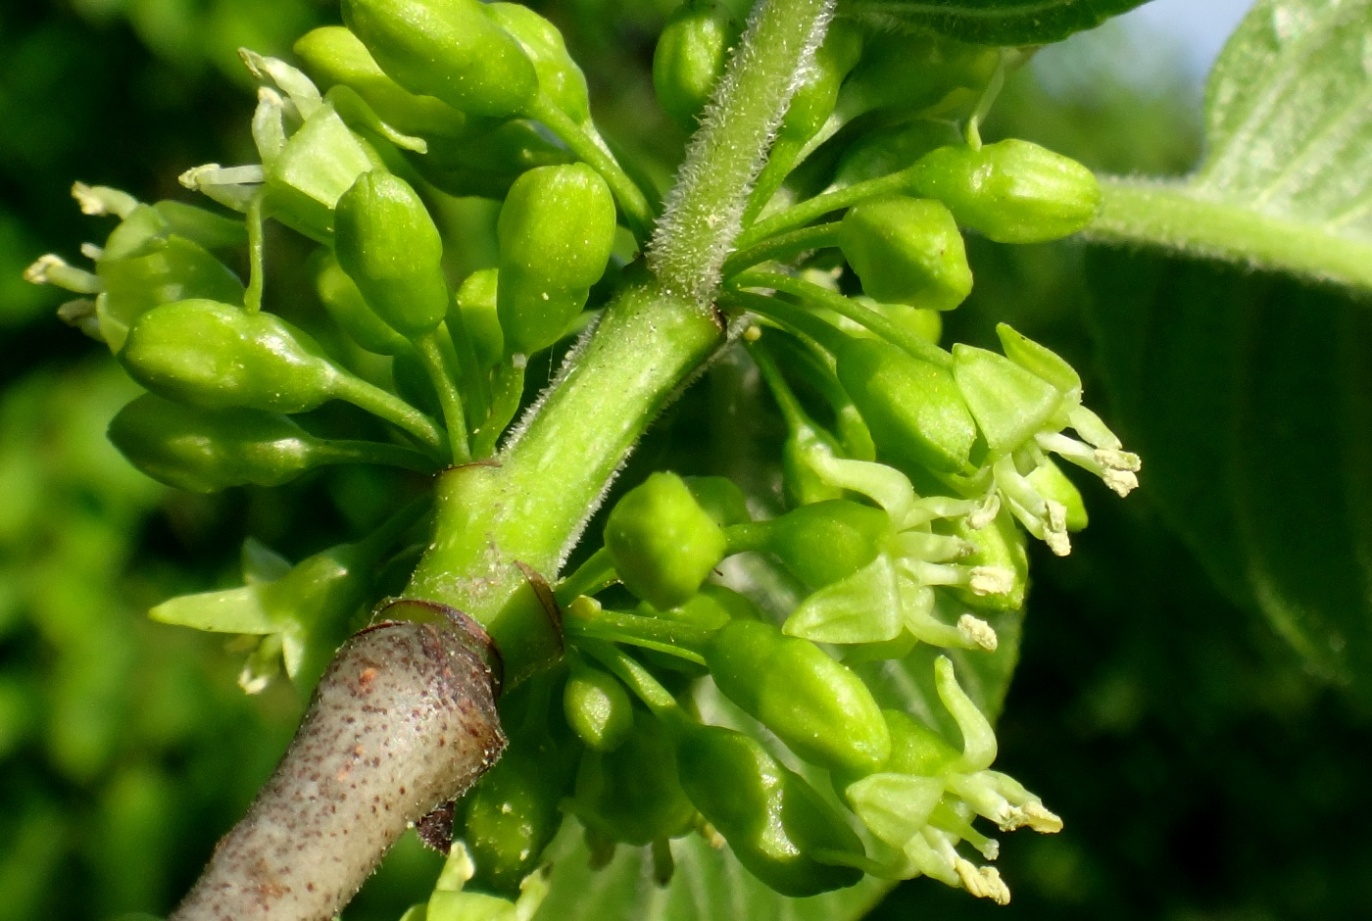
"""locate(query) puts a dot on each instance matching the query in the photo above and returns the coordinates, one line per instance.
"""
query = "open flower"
(1022, 402)
(922, 802)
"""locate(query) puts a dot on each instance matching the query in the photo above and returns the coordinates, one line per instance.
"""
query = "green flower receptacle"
(450, 49)
(777, 825)
(663, 543)
(907, 251)
(914, 408)
(1012, 191)
(691, 52)
(388, 244)
(824, 542)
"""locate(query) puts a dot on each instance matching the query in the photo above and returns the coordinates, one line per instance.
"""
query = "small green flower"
(922, 800)
(1022, 401)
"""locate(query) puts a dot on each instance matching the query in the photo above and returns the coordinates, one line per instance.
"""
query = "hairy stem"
(1169, 216)
(705, 208)
(531, 506)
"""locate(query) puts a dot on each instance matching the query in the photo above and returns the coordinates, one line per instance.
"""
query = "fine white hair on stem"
(704, 210)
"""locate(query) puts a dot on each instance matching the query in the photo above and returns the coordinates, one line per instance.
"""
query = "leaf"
(710, 883)
(1250, 398)
(1248, 394)
(1287, 181)
(992, 22)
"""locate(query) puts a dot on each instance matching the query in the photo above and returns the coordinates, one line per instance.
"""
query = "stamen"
(977, 631)
(100, 199)
(51, 269)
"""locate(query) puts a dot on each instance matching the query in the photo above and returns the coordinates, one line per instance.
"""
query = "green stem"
(597, 573)
(375, 452)
(686, 641)
(782, 247)
(252, 295)
(394, 410)
(637, 679)
(532, 506)
(813, 209)
(444, 378)
(507, 389)
(705, 208)
(637, 212)
(461, 352)
(786, 401)
(847, 307)
(524, 513)
(1170, 216)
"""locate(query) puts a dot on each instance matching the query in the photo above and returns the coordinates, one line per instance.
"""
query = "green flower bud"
(1011, 191)
(218, 356)
(450, 49)
(386, 241)
(828, 541)
(487, 163)
(692, 50)
(332, 55)
(597, 707)
(720, 497)
(820, 708)
(512, 813)
(907, 251)
(350, 310)
(913, 408)
(476, 303)
(556, 230)
(558, 75)
(923, 322)
(662, 542)
(917, 74)
(813, 101)
(633, 794)
(208, 450)
(144, 263)
(307, 608)
(777, 825)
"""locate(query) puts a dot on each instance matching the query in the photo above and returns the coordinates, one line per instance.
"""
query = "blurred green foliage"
(1201, 773)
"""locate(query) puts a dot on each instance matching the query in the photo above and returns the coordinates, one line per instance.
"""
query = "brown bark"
(403, 720)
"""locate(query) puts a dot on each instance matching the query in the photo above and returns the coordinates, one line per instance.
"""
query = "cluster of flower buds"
(907, 510)
(907, 505)
(234, 384)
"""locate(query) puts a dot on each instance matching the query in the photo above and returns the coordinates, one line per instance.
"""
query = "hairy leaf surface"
(1248, 393)
(1287, 180)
